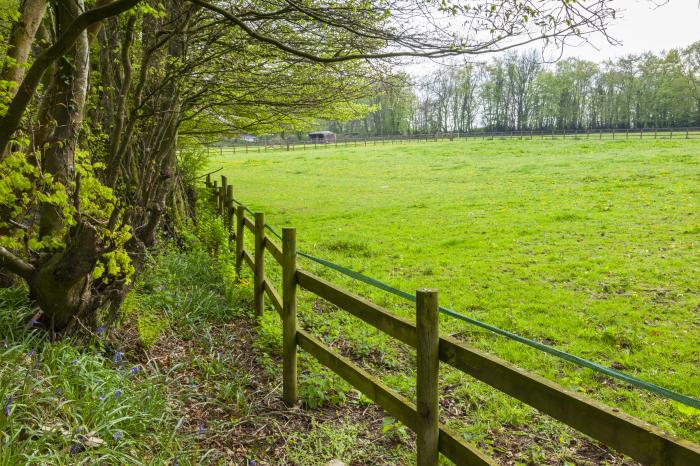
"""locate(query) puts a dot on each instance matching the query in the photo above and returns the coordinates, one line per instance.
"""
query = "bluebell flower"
(118, 435)
(101, 329)
(31, 353)
(102, 397)
(74, 362)
(134, 370)
(59, 391)
(76, 448)
(117, 394)
(118, 356)
(78, 430)
(6, 408)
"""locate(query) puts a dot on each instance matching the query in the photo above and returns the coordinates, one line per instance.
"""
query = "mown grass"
(590, 246)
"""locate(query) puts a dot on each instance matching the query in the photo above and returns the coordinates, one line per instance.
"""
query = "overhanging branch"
(10, 122)
(14, 264)
(316, 58)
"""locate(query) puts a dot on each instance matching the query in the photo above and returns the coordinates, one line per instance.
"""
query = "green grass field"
(590, 246)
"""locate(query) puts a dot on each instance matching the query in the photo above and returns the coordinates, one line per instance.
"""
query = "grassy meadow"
(589, 246)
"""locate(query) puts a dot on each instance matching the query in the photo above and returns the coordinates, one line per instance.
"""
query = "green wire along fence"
(626, 434)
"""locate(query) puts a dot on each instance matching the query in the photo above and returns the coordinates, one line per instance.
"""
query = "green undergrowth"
(157, 386)
(69, 402)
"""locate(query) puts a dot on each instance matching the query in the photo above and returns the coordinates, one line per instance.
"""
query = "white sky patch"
(641, 26)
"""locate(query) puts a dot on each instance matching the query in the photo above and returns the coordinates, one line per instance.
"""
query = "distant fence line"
(351, 141)
(624, 433)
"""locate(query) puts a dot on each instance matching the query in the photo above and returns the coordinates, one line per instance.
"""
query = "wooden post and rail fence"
(626, 434)
(479, 134)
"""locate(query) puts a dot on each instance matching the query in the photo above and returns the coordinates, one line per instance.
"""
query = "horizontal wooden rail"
(248, 260)
(273, 249)
(397, 405)
(399, 328)
(620, 431)
(626, 434)
(273, 295)
(250, 225)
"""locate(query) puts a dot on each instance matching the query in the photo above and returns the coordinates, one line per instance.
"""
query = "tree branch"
(14, 264)
(315, 58)
(10, 122)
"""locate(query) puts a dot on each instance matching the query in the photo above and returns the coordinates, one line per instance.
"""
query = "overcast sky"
(644, 27)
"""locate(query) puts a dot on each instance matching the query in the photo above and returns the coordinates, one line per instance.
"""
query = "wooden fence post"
(259, 264)
(240, 229)
(222, 205)
(427, 376)
(216, 193)
(208, 182)
(222, 201)
(289, 316)
(229, 207)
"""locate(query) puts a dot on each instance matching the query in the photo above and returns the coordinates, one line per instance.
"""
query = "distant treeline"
(519, 92)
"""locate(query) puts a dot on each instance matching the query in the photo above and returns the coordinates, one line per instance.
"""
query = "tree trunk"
(68, 102)
(21, 40)
(61, 283)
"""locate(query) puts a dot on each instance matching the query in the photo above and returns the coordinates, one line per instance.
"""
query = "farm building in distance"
(322, 137)
(248, 138)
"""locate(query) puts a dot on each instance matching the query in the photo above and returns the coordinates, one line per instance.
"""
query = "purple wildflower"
(252, 463)
(118, 356)
(134, 370)
(118, 435)
(101, 329)
(78, 430)
(59, 391)
(117, 394)
(74, 362)
(76, 448)
(31, 353)
(6, 408)
(102, 397)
